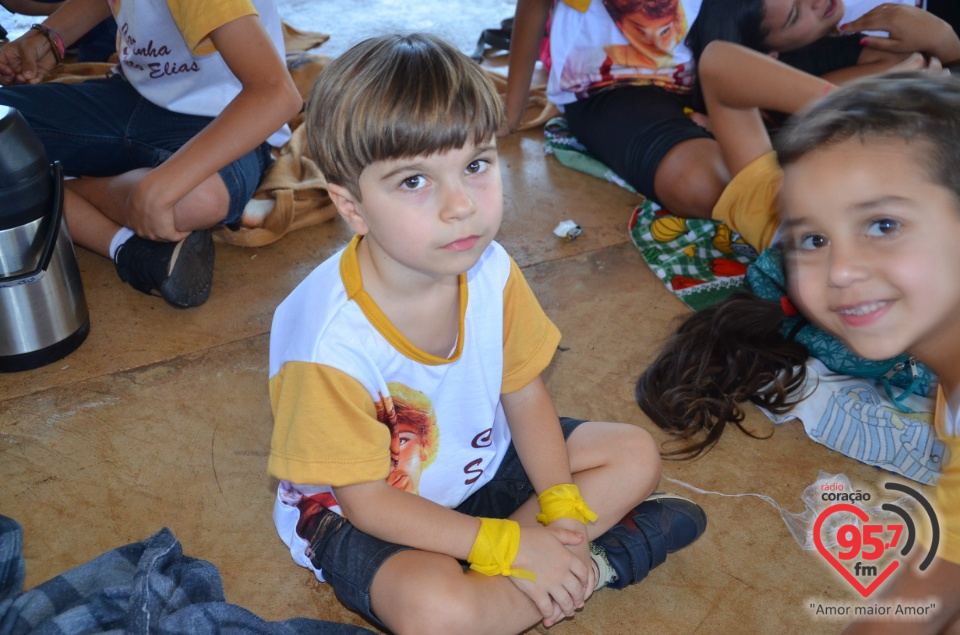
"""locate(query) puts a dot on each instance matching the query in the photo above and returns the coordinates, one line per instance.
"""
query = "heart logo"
(862, 515)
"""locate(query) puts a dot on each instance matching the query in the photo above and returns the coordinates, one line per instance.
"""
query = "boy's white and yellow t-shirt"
(354, 401)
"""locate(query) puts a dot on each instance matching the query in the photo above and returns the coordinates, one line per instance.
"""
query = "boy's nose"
(457, 203)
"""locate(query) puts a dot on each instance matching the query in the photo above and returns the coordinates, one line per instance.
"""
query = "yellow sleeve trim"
(325, 429)
(748, 205)
(947, 493)
(529, 337)
(196, 20)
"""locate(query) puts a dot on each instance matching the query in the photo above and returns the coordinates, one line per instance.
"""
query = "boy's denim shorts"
(104, 127)
(350, 558)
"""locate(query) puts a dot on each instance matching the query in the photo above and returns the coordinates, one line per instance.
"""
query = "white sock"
(605, 572)
(119, 238)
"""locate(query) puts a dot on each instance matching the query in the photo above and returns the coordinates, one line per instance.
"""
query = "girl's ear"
(349, 207)
(774, 54)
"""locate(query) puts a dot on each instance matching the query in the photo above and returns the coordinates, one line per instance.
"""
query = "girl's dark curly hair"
(719, 358)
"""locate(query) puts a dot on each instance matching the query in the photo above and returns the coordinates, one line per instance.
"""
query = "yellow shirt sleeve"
(325, 428)
(947, 493)
(529, 337)
(748, 204)
(196, 20)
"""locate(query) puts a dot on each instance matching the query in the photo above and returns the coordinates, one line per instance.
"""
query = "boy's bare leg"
(423, 592)
(616, 466)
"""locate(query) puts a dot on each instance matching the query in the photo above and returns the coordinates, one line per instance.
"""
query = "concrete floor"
(162, 418)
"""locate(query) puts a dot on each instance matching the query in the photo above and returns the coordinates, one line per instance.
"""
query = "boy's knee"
(638, 456)
(643, 446)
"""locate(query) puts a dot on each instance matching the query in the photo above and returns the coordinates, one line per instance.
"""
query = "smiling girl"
(870, 223)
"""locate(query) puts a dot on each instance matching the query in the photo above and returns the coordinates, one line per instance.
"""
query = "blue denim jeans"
(103, 127)
(350, 558)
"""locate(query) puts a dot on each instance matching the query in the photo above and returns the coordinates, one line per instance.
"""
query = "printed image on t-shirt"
(634, 42)
(414, 435)
(414, 441)
(653, 29)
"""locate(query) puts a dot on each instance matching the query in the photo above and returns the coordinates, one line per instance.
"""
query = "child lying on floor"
(413, 431)
(622, 73)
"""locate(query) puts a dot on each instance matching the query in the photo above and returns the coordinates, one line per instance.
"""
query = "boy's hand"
(581, 550)
(562, 576)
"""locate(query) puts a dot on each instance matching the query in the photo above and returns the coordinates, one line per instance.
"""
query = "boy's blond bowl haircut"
(393, 97)
(915, 106)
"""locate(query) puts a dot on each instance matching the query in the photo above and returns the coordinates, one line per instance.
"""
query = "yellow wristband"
(496, 547)
(563, 501)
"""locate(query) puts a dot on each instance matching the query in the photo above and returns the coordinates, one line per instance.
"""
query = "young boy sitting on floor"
(413, 432)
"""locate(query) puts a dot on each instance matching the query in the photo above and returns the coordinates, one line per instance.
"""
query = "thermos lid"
(24, 172)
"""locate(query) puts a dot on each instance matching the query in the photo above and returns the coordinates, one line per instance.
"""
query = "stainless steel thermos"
(43, 311)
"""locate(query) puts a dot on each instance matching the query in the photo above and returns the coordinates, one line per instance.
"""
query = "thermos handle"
(53, 230)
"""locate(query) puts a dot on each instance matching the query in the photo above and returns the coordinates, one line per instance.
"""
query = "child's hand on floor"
(563, 577)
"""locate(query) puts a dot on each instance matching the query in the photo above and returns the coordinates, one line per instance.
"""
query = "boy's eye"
(882, 227)
(811, 242)
(413, 182)
(475, 167)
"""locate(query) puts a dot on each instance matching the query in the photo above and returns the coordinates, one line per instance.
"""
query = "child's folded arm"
(538, 438)
(390, 514)
(267, 100)
(382, 511)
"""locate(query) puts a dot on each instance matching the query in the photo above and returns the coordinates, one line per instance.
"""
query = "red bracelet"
(56, 42)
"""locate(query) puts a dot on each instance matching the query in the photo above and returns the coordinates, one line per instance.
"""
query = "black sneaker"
(182, 272)
(662, 524)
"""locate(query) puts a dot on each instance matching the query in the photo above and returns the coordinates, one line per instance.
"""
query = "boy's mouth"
(462, 244)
